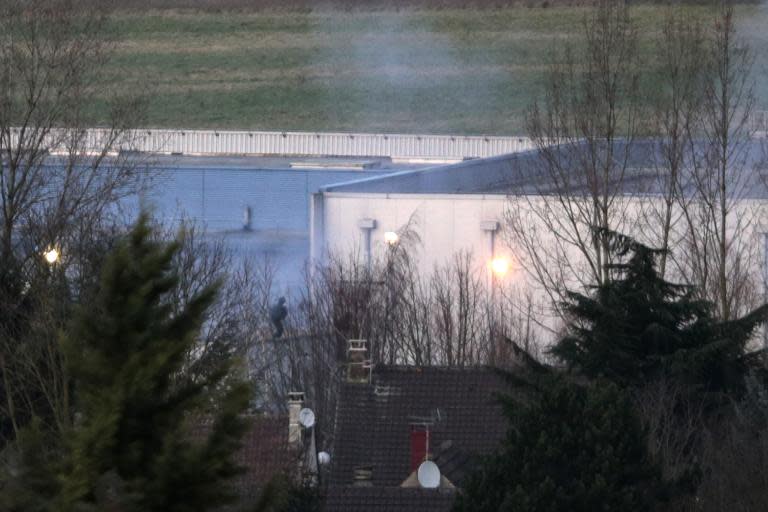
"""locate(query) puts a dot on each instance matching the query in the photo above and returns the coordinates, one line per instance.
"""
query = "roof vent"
(363, 476)
(380, 390)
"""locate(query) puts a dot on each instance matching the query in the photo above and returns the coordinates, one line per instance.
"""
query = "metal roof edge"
(439, 168)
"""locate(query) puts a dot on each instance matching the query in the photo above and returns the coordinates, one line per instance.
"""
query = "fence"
(199, 142)
(214, 142)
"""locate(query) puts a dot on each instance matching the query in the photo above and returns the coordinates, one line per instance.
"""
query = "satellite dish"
(324, 458)
(306, 418)
(429, 475)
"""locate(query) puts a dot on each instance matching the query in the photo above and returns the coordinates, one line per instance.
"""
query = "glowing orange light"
(500, 266)
(51, 256)
(391, 237)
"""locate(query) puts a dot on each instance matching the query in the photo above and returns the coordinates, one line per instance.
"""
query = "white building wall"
(445, 224)
(450, 223)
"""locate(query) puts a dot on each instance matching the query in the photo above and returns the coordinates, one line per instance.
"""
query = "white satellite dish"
(324, 458)
(306, 418)
(429, 475)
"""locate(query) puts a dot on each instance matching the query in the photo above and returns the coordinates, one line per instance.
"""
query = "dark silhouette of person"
(277, 314)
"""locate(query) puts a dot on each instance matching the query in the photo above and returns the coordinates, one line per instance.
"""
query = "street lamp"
(499, 266)
(391, 237)
(51, 256)
(367, 225)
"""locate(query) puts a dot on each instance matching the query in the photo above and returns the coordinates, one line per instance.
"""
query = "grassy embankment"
(421, 71)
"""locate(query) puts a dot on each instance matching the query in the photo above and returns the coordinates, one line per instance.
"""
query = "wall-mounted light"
(499, 266)
(366, 224)
(51, 256)
(489, 225)
(391, 237)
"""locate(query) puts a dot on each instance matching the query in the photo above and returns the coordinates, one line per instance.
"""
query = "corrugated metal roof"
(524, 173)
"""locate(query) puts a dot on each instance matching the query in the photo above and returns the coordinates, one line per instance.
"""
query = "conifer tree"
(637, 326)
(147, 435)
(570, 449)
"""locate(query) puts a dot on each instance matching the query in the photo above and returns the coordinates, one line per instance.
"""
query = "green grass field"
(421, 71)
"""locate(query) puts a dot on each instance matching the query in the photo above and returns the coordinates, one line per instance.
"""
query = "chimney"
(419, 446)
(358, 364)
(295, 403)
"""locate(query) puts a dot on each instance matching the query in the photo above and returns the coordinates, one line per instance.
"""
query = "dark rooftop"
(387, 499)
(374, 421)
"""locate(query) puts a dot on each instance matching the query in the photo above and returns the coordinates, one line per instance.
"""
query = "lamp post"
(497, 266)
(367, 225)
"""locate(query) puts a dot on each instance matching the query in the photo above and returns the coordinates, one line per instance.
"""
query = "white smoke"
(752, 26)
(396, 65)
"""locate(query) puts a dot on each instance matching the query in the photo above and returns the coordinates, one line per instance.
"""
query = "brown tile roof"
(373, 422)
(264, 453)
(387, 499)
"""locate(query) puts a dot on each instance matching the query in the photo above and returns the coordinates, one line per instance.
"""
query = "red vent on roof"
(418, 446)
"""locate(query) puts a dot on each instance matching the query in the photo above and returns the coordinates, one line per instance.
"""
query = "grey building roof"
(523, 173)
(215, 191)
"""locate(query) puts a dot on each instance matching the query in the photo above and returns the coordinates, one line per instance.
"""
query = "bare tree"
(734, 455)
(721, 253)
(592, 174)
(673, 119)
(462, 321)
(673, 418)
(59, 190)
(584, 129)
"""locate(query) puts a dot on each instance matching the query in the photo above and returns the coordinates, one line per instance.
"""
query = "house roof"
(387, 499)
(374, 421)
(265, 453)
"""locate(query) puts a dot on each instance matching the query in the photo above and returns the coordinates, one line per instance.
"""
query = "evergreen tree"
(27, 475)
(638, 326)
(147, 435)
(569, 449)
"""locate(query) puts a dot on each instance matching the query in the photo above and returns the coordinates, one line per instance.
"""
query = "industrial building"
(252, 189)
(466, 207)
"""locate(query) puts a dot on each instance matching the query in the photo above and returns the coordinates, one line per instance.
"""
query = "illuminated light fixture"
(51, 256)
(500, 266)
(391, 237)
